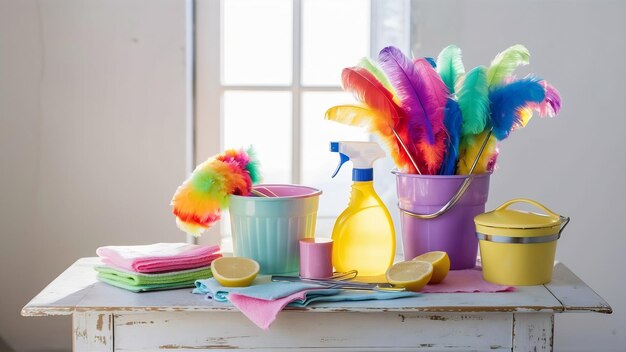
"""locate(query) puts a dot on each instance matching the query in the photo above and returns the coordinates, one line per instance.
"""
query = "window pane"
(318, 163)
(261, 119)
(335, 34)
(257, 41)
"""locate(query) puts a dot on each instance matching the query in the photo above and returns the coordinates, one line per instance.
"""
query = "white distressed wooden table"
(106, 318)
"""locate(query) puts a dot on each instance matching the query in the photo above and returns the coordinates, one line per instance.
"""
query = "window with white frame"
(277, 71)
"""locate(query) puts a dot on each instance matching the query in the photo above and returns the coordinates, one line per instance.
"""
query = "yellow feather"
(525, 114)
(361, 116)
(470, 148)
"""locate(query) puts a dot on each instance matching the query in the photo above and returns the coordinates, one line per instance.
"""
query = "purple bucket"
(453, 231)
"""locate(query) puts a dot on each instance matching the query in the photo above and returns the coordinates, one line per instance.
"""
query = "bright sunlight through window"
(278, 78)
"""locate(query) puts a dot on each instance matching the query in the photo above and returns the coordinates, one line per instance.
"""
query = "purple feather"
(507, 99)
(408, 84)
(435, 91)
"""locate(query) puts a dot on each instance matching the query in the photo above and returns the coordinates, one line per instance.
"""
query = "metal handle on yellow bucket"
(563, 219)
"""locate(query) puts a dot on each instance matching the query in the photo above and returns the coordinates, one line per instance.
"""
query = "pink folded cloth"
(469, 280)
(158, 257)
(263, 312)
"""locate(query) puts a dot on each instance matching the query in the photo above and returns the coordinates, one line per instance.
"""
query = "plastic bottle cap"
(362, 174)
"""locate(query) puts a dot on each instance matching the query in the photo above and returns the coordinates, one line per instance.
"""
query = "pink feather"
(551, 104)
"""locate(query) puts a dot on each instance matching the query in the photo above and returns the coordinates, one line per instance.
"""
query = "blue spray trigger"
(342, 159)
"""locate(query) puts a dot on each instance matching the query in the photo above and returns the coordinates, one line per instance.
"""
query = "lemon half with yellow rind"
(440, 262)
(412, 275)
(234, 271)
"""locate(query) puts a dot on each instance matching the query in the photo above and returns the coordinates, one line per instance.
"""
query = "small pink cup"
(316, 258)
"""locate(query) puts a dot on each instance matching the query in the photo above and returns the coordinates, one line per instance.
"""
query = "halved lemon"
(412, 275)
(440, 262)
(234, 271)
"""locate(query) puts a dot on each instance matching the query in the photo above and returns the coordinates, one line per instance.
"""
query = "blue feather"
(506, 100)
(431, 61)
(453, 119)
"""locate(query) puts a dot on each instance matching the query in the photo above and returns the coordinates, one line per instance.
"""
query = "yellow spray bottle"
(363, 237)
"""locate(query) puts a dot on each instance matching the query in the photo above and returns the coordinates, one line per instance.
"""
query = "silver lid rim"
(522, 240)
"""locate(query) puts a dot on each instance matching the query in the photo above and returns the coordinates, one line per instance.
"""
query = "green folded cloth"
(145, 288)
(138, 282)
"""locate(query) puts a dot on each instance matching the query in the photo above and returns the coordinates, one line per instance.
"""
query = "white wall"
(92, 141)
(573, 163)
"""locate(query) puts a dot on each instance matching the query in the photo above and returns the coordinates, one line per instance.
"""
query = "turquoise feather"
(450, 66)
(506, 62)
(371, 66)
(473, 99)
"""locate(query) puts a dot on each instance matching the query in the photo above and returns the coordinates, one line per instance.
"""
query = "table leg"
(92, 331)
(533, 332)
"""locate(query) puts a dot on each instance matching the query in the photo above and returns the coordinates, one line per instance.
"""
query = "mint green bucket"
(268, 229)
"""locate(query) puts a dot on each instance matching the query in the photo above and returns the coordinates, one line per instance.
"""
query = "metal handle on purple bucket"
(459, 193)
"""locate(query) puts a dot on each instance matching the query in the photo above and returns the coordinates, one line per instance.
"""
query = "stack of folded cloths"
(159, 266)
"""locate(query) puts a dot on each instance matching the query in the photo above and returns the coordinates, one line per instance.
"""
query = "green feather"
(369, 65)
(506, 62)
(473, 98)
(253, 166)
(450, 66)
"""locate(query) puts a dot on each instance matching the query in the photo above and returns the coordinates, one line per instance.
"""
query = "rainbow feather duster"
(198, 201)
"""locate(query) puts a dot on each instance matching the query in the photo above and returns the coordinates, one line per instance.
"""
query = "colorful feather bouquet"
(198, 201)
(434, 117)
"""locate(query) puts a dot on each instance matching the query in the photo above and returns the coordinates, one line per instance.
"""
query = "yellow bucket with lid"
(517, 247)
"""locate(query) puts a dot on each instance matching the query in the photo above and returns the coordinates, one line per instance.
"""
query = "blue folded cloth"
(348, 295)
(259, 289)
(275, 290)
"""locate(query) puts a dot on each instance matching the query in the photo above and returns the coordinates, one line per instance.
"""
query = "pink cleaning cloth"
(263, 312)
(469, 280)
(158, 257)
